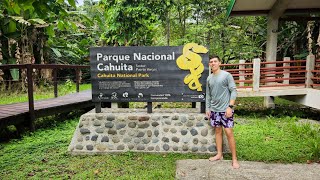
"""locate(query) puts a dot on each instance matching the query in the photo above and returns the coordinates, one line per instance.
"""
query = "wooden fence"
(55, 68)
(256, 75)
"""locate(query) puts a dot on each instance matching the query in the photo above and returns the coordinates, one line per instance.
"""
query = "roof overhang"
(296, 8)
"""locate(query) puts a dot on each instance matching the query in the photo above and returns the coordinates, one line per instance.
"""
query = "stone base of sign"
(164, 130)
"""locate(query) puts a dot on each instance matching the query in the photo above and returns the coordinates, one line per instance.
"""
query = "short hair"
(215, 56)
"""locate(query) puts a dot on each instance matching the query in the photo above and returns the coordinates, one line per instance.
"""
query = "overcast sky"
(80, 2)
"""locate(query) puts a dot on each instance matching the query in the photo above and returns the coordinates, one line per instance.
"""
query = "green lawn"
(43, 154)
(261, 135)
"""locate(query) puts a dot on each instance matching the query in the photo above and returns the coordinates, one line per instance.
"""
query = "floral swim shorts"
(218, 119)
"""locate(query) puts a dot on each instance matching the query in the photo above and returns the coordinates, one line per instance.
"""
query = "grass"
(276, 140)
(43, 155)
(261, 135)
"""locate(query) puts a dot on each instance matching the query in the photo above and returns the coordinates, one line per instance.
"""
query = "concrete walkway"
(204, 169)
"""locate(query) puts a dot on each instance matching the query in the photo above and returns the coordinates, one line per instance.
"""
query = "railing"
(30, 69)
(316, 74)
(242, 73)
(256, 75)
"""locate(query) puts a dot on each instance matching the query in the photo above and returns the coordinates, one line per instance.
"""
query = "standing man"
(220, 100)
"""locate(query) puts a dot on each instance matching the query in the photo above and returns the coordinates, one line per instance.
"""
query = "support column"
(271, 51)
(310, 65)
(242, 71)
(256, 75)
(286, 72)
(275, 13)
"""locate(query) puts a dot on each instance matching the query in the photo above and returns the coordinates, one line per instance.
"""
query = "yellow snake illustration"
(190, 60)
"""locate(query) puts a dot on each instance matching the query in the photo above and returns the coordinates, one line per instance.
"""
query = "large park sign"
(149, 74)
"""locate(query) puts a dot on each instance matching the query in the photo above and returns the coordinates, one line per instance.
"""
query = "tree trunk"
(223, 48)
(208, 40)
(1, 58)
(5, 55)
(184, 21)
(318, 45)
(168, 28)
(180, 18)
(309, 36)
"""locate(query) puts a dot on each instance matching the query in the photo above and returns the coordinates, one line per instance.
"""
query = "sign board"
(149, 74)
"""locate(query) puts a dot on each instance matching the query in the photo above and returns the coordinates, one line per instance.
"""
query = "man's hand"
(228, 112)
(208, 114)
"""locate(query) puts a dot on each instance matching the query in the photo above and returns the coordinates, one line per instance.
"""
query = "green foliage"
(24, 22)
(67, 86)
(14, 72)
(204, 22)
(56, 52)
(72, 30)
(129, 22)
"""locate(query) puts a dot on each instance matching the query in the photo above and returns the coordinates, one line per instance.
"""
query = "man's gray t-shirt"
(220, 89)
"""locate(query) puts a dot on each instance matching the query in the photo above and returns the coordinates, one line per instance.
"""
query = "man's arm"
(232, 88)
(232, 102)
(233, 95)
(208, 100)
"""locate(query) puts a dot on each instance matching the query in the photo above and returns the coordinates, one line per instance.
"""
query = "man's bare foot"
(235, 164)
(216, 158)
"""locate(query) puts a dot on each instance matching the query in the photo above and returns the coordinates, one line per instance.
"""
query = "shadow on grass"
(10, 132)
(280, 111)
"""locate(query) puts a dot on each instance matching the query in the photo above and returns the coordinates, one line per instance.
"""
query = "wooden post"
(256, 74)
(203, 107)
(310, 65)
(286, 72)
(242, 71)
(77, 79)
(55, 82)
(149, 107)
(30, 97)
(98, 107)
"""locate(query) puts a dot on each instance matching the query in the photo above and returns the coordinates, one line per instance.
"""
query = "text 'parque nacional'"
(125, 57)
(136, 57)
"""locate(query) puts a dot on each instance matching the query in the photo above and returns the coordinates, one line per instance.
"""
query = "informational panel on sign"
(149, 74)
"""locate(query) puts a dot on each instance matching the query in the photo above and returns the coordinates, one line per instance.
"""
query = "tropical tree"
(23, 30)
(130, 22)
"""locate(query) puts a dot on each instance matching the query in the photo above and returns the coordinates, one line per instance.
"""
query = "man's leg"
(232, 145)
(218, 133)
